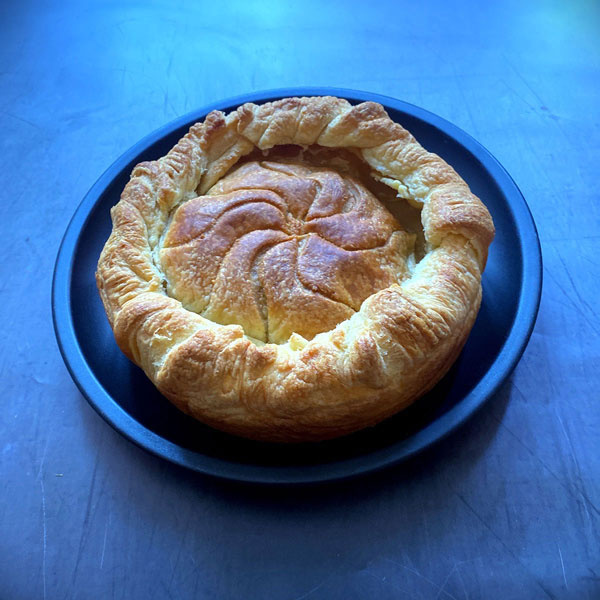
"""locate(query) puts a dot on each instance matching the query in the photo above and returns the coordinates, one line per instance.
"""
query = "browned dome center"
(280, 248)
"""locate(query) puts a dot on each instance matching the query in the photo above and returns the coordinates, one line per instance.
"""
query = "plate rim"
(508, 356)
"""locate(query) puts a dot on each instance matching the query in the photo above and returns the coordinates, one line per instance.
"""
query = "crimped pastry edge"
(400, 343)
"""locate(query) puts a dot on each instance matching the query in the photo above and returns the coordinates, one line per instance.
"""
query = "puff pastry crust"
(277, 298)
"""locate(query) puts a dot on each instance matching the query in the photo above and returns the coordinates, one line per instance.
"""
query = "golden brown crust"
(381, 354)
(282, 248)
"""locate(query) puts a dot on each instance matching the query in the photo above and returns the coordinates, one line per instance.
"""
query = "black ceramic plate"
(122, 394)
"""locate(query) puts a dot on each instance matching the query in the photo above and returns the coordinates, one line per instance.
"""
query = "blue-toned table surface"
(508, 507)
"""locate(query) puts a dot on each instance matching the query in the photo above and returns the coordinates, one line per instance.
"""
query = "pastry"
(296, 270)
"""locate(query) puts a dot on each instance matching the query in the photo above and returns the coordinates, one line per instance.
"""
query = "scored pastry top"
(282, 248)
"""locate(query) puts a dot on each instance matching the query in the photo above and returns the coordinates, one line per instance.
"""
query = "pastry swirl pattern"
(282, 249)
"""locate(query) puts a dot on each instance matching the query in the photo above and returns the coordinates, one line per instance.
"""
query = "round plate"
(123, 395)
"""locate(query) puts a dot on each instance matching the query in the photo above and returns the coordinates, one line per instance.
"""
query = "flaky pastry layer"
(387, 349)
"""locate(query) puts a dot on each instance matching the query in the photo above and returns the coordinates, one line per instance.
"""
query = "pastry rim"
(399, 344)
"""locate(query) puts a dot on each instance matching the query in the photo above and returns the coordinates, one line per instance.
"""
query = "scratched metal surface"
(507, 507)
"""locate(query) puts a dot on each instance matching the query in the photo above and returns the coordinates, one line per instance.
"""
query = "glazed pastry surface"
(282, 248)
(262, 277)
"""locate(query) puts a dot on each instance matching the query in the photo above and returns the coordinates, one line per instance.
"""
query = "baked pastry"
(295, 271)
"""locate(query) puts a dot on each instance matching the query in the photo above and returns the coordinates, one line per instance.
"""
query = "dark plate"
(122, 394)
